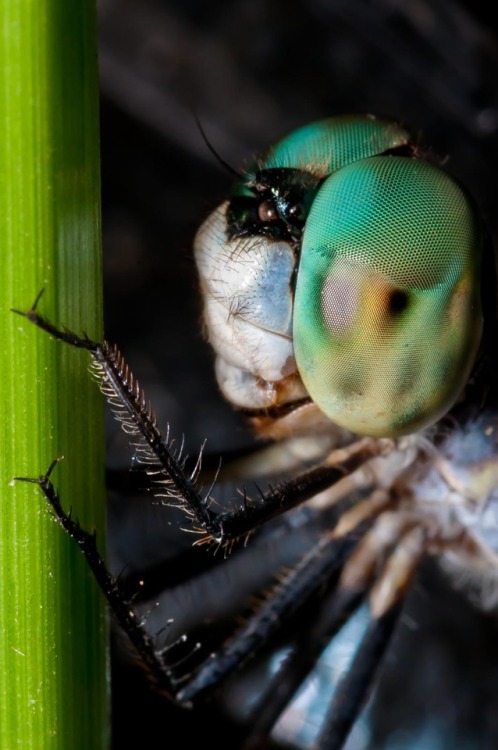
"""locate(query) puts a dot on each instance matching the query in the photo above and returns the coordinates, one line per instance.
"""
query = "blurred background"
(251, 72)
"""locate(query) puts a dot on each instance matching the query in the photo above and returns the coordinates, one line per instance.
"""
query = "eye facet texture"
(387, 315)
(327, 145)
(386, 318)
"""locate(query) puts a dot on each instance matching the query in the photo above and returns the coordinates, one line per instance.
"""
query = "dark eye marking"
(398, 302)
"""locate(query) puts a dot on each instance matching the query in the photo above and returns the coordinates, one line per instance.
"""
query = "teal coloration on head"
(387, 315)
(327, 145)
(274, 198)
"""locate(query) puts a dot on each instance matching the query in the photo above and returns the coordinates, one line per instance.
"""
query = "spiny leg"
(335, 610)
(330, 553)
(126, 397)
(296, 589)
(108, 584)
(128, 402)
(292, 594)
(333, 613)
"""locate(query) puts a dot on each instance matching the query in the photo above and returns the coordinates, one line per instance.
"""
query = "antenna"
(216, 155)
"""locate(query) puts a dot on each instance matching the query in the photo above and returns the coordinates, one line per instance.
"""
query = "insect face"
(374, 255)
(341, 286)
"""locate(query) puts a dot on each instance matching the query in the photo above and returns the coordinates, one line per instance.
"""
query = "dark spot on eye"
(398, 302)
(267, 212)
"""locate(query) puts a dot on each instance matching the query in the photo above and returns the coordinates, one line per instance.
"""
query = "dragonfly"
(349, 295)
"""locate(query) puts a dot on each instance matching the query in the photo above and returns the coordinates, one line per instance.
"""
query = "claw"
(41, 480)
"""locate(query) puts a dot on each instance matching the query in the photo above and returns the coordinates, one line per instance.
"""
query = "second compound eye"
(387, 313)
(267, 212)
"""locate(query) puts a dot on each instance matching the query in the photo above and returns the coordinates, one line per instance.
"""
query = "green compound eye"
(387, 314)
(327, 145)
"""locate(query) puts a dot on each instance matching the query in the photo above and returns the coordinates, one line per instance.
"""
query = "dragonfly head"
(345, 270)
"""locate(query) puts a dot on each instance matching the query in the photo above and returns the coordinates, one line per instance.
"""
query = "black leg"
(166, 463)
(309, 580)
(110, 587)
(313, 572)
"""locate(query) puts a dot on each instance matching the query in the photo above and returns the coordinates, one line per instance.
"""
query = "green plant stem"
(53, 663)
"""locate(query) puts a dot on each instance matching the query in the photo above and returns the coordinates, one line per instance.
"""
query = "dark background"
(252, 71)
